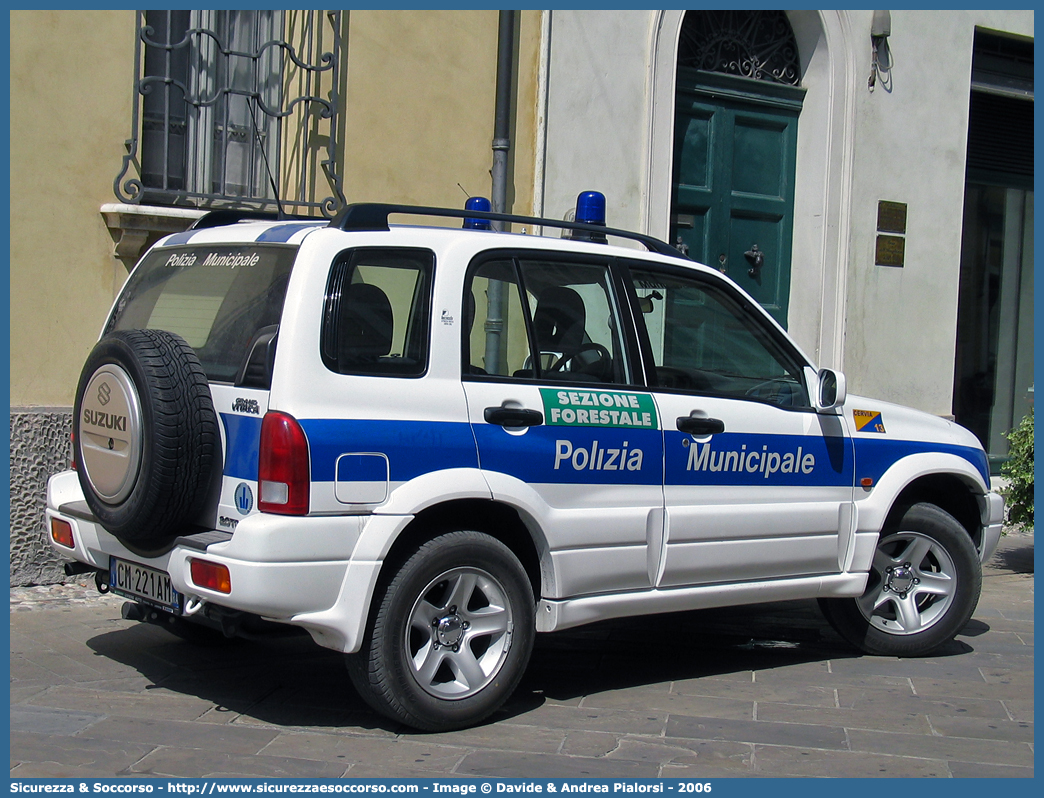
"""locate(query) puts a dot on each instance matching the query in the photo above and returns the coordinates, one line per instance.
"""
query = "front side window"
(703, 340)
(531, 318)
(377, 313)
(218, 298)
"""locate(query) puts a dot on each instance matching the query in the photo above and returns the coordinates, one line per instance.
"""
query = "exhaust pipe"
(132, 611)
(77, 568)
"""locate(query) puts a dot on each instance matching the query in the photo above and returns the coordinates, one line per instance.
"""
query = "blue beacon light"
(477, 204)
(590, 209)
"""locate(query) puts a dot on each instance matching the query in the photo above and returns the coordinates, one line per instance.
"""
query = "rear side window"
(377, 312)
(218, 298)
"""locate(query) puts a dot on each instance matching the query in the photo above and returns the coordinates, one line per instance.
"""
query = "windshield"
(218, 298)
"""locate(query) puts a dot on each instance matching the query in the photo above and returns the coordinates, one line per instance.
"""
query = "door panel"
(761, 500)
(757, 485)
(735, 158)
(696, 211)
(759, 156)
(768, 233)
(695, 131)
(585, 458)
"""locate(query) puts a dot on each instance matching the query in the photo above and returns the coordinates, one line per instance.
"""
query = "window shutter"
(1000, 134)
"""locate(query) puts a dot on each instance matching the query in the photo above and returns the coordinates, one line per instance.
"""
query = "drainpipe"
(502, 119)
(501, 145)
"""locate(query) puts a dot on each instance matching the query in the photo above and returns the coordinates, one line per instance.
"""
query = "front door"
(735, 155)
(563, 433)
(757, 484)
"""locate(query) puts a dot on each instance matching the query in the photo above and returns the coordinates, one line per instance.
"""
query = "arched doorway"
(735, 148)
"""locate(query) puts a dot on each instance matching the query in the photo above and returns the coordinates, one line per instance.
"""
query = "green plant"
(1019, 471)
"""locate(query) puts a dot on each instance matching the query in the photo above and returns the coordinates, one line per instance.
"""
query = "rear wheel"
(923, 586)
(451, 635)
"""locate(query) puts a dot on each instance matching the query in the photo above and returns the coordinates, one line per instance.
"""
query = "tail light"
(72, 450)
(284, 475)
(61, 532)
(211, 575)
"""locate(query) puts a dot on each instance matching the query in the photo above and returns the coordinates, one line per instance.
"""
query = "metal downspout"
(502, 119)
(501, 147)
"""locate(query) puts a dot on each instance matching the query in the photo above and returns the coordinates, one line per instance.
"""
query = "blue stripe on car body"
(179, 238)
(282, 233)
(574, 455)
(874, 456)
(759, 459)
(413, 448)
(593, 455)
(242, 445)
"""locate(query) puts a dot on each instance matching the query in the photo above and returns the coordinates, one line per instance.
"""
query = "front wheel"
(451, 635)
(923, 586)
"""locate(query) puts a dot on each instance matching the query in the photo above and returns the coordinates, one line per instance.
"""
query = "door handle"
(513, 416)
(695, 425)
(756, 258)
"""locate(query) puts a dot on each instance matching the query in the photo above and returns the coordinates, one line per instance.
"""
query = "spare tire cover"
(146, 439)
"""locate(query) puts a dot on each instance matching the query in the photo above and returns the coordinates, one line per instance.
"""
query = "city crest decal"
(868, 421)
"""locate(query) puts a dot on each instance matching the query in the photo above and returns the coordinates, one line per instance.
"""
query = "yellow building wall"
(419, 107)
(417, 116)
(71, 75)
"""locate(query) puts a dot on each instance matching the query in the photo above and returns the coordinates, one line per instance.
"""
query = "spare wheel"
(145, 436)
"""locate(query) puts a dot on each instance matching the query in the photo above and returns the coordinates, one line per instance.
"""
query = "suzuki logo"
(104, 393)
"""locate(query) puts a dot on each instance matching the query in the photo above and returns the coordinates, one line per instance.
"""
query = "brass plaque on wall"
(891, 250)
(891, 217)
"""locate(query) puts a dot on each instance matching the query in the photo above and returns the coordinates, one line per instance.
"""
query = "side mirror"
(645, 303)
(831, 390)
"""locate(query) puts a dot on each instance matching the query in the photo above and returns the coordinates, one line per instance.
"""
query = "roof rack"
(223, 216)
(373, 216)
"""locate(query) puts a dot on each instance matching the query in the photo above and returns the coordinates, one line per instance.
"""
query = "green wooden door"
(734, 162)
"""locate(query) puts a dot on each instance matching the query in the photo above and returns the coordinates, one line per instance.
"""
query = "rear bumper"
(297, 571)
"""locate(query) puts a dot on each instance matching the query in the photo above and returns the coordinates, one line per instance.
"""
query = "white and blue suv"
(424, 445)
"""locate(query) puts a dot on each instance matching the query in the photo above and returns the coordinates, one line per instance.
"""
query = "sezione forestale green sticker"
(586, 408)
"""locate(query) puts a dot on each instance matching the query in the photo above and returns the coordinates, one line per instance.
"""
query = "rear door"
(757, 485)
(226, 301)
(378, 414)
(562, 430)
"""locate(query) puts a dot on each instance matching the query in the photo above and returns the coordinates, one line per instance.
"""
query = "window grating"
(235, 109)
(751, 44)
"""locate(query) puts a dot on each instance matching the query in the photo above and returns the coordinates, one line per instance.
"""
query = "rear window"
(218, 298)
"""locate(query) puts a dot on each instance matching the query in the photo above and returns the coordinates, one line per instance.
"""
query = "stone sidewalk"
(756, 691)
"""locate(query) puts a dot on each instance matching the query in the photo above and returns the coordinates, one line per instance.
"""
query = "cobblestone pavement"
(754, 691)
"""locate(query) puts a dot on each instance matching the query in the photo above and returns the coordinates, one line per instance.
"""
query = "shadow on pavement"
(293, 682)
(1014, 554)
(286, 681)
(631, 652)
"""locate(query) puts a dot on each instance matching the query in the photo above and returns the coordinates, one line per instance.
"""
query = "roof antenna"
(466, 194)
(268, 170)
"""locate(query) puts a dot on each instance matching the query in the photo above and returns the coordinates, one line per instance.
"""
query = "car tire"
(145, 434)
(450, 635)
(923, 587)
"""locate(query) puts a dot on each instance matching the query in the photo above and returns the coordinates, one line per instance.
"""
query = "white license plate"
(149, 584)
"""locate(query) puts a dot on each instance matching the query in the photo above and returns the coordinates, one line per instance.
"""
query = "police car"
(424, 445)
